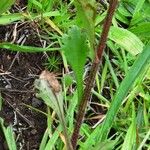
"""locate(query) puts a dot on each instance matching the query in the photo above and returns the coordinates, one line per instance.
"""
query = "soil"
(18, 72)
(16, 86)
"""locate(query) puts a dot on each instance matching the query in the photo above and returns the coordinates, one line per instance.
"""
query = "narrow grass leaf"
(141, 30)
(146, 116)
(9, 135)
(107, 145)
(10, 18)
(75, 49)
(112, 71)
(126, 39)
(47, 5)
(138, 7)
(140, 119)
(71, 110)
(10, 138)
(52, 141)
(148, 74)
(7, 19)
(146, 137)
(130, 138)
(104, 76)
(53, 25)
(21, 48)
(44, 140)
(5, 5)
(36, 3)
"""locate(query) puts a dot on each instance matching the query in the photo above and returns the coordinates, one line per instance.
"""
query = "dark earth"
(18, 72)
(17, 89)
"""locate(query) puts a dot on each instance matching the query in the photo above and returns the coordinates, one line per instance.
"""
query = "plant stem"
(93, 71)
(63, 123)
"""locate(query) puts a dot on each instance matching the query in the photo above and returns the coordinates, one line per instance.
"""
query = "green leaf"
(101, 132)
(68, 80)
(21, 48)
(71, 109)
(86, 15)
(141, 12)
(138, 7)
(146, 138)
(52, 141)
(130, 138)
(5, 5)
(53, 99)
(126, 40)
(107, 145)
(122, 18)
(134, 72)
(142, 30)
(44, 140)
(36, 3)
(9, 135)
(75, 49)
(148, 73)
(47, 94)
(7, 19)
(123, 10)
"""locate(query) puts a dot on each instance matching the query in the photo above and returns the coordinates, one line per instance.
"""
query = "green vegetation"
(122, 82)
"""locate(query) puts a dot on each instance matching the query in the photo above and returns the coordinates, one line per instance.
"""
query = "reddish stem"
(93, 71)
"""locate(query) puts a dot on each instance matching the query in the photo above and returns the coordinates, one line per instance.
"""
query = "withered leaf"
(51, 79)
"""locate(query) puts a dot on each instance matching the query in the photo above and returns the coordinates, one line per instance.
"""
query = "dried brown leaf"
(51, 79)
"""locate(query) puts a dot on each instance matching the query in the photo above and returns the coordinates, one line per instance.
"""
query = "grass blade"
(138, 6)
(52, 141)
(130, 138)
(144, 140)
(7, 19)
(44, 140)
(20, 48)
(141, 30)
(101, 132)
(9, 135)
(124, 87)
(5, 5)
